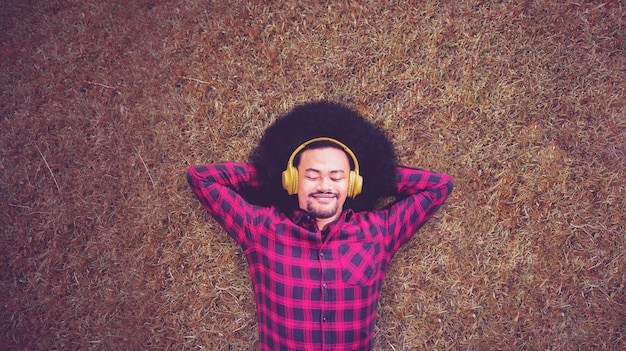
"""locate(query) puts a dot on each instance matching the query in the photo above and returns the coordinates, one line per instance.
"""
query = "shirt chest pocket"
(359, 263)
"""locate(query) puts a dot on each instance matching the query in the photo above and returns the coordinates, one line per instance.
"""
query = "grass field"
(104, 104)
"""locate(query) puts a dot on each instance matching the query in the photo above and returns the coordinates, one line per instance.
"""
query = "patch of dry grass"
(105, 104)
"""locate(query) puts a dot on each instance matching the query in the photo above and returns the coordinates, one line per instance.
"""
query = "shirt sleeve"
(421, 193)
(217, 186)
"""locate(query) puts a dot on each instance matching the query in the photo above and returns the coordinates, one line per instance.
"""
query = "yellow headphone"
(290, 175)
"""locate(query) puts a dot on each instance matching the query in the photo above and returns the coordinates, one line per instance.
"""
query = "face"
(323, 176)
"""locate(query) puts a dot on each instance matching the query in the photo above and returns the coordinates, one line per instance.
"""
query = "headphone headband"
(335, 141)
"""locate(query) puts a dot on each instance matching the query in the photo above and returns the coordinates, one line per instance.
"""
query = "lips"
(323, 197)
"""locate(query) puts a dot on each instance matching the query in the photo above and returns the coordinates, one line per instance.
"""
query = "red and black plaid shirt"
(314, 295)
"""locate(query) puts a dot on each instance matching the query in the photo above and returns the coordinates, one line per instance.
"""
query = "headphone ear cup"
(356, 184)
(350, 193)
(294, 180)
(290, 180)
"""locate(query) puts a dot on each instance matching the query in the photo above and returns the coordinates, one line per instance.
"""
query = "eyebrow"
(335, 171)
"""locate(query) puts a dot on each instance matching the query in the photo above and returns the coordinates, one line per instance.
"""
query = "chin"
(323, 212)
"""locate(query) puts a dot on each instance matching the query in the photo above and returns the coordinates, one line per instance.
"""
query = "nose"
(324, 184)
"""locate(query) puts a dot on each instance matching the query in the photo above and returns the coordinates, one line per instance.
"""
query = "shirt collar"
(301, 217)
(305, 220)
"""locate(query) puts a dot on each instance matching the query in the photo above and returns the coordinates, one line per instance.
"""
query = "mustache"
(334, 193)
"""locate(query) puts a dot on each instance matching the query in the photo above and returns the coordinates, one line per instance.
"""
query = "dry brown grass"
(105, 103)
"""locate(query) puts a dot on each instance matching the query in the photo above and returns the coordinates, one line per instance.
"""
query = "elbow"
(190, 175)
(450, 185)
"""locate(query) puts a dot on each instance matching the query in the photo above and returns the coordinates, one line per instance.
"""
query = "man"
(317, 269)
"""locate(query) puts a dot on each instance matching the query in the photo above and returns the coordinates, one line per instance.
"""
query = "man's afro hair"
(373, 150)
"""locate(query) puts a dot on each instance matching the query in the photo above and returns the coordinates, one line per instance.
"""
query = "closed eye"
(337, 176)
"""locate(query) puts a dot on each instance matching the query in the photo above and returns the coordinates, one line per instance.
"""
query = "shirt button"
(321, 254)
(325, 286)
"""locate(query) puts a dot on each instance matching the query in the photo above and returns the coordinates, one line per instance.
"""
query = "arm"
(217, 186)
(421, 193)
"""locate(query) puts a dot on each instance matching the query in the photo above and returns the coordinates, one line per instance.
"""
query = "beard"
(322, 210)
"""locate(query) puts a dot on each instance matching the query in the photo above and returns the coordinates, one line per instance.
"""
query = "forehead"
(328, 158)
